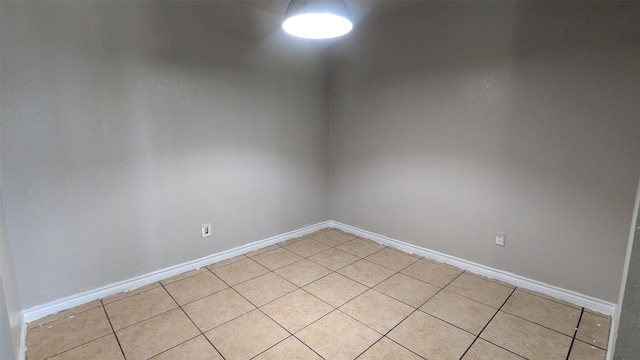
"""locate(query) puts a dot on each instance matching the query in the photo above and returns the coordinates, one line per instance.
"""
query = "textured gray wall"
(10, 304)
(126, 125)
(454, 120)
(628, 340)
(6, 342)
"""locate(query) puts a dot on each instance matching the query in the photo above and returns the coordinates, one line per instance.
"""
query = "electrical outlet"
(500, 238)
(206, 230)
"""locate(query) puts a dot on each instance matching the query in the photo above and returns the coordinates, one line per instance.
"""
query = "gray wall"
(126, 125)
(11, 320)
(7, 349)
(454, 120)
(10, 305)
(627, 345)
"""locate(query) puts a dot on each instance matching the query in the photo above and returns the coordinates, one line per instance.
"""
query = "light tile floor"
(328, 295)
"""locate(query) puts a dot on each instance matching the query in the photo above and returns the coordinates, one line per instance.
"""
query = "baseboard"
(53, 307)
(510, 278)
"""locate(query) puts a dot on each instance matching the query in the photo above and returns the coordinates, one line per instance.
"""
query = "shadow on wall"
(128, 124)
(454, 120)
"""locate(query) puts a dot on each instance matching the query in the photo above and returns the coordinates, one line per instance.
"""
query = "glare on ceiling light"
(317, 19)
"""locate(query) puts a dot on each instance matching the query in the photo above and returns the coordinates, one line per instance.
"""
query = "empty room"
(216, 179)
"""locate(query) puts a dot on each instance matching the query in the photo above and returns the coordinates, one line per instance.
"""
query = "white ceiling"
(360, 9)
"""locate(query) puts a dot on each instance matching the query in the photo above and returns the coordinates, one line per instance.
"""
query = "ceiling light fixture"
(317, 19)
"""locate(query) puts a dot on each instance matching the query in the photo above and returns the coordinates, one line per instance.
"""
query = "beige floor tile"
(263, 250)
(483, 350)
(391, 258)
(525, 338)
(328, 336)
(584, 351)
(594, 330)
(430, 337)
(377, 311)
(153, 336)
(296, 310)
(544, 312)
(479, 289)
(432, 272)
(512, 287)
(407, 289)
(460, 311)
(240, 271)
(64, 314)
(253, 333)
(307, 247)
(226, 262)
(302, 272)
(335, 289)
(265, 288)
(290, 348)
(550, 298)
(333, 237)
(386, 349)
(291, 241)
(360, 247)
(592, 311)
(277, 258)
(217, 309)
(334, 259)
(197, 348)
(104, 348)
(184, 275)
(321, 231)
(134, 309)
(149, 322)
(195, 287)
(67, 333)
(126, 294)
(366, 272)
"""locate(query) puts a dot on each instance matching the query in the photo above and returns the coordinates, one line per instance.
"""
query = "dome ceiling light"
(317, 19)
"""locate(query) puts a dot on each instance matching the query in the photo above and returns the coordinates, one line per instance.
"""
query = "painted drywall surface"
(10, 304)
(628, 339)
(6, 342)
(454, 120)
(127, 125)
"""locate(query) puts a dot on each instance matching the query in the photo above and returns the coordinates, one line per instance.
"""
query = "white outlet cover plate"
(500, 238)
(206, 230)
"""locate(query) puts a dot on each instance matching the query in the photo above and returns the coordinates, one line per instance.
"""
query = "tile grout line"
(575, 333)
(406, 317)
(333, 308)
(258, 308)
(487, 324)
(273, 271)
(297, 288)
(115, 335)
(535, 323)
(194, 324)
(289, 332)
(372, 288)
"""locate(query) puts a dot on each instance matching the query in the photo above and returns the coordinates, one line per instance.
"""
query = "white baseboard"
(510, 278)
(53, 307)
